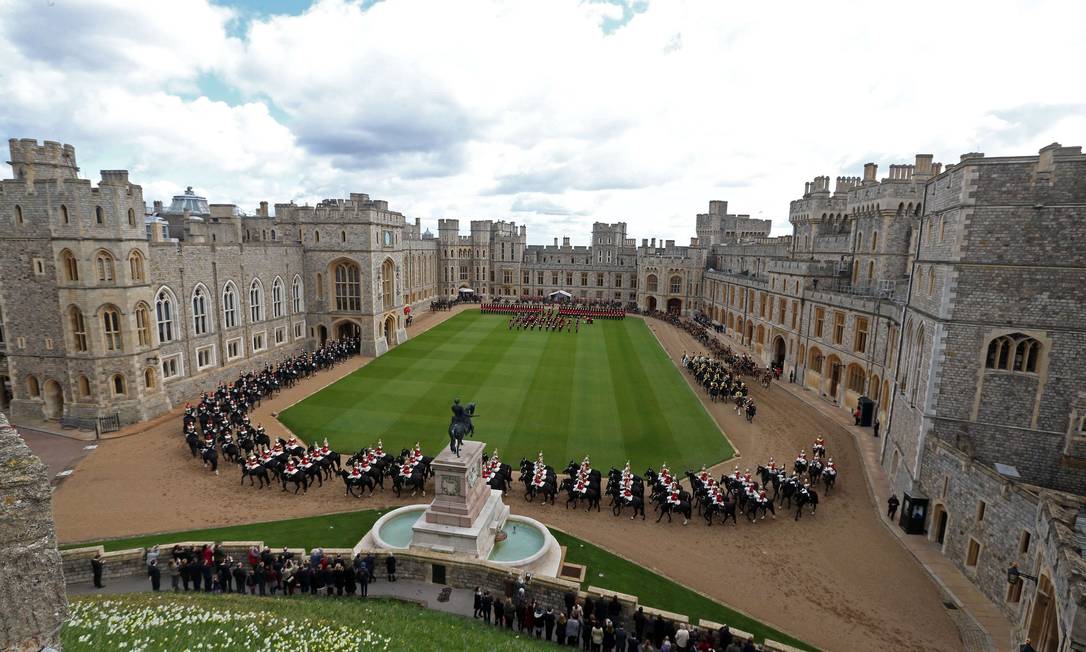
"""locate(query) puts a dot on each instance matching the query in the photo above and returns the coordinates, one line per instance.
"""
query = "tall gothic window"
(676, 284)
(388, 283)
(103, 262)
(229, 306)
(296, 294)
(135, 265)
(199, 311)
(1014, 352)
(164, 306)
(111, 328)
(143, 324)
(277, 297)
(348, 287)
(650, 283)
(70, 265)
(256, 301)
(79, 329)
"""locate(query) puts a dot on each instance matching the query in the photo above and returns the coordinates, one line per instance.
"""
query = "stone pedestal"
(465, 513)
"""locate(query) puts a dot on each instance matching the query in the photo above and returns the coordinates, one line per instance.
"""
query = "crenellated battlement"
(50, 160)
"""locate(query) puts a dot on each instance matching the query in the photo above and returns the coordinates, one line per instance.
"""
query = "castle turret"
(51, 160)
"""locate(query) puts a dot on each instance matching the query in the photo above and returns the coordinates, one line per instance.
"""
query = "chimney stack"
(870, 172)
(263, 209)
(565, 241)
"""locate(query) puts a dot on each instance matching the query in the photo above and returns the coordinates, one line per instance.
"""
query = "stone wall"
(32, 597)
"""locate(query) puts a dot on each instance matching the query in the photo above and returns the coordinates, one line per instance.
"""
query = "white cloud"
(483, 109)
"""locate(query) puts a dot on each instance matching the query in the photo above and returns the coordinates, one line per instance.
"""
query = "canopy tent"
(467, 291)
(560, 293)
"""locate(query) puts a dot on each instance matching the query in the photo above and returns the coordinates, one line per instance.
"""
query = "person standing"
(175, 579)
(155, 574)
(239, 578)
(639, 623)
(363, 582)
(548, 623)
(499, 612)
(875, 426)
(891, 506)
(477, 603)
(487, 603)
(573, 631)
(97, 564)
(390, 566)
(152, 555)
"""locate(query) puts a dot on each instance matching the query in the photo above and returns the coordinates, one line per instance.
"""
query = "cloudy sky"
(551, 113)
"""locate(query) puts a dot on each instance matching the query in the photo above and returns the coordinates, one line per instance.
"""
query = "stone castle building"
(948, 301)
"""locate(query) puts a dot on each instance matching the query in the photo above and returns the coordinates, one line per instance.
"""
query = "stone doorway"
(779, 350)
(675, 306)
(53, 406)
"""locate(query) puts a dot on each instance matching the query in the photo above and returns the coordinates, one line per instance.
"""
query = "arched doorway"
(940, 519)
(674, 306)
(1044, 630)
(652, 303)
(54, 400)
(322, 333)
(347, 329)
(750, 332)
(779, 350)
(390, 331)
(5, 393)
(832, 369)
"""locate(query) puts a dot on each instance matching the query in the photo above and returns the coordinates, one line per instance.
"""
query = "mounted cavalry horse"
(460, 425)
(411, 470)
(626, 489)
(582, 483)
(538, 478)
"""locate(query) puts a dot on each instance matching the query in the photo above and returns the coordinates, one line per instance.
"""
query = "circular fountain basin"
(526, 541)
(393, 530)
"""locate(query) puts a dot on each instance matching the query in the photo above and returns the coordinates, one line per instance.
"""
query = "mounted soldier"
(460, 425)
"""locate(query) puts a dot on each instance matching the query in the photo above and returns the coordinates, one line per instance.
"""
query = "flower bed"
(250, 624)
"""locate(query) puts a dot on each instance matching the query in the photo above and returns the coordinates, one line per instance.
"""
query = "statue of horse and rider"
(460, 425)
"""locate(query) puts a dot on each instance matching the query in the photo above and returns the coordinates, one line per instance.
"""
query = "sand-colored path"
(837, 580)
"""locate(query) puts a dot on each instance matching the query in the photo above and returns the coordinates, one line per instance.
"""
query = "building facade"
(950, 299)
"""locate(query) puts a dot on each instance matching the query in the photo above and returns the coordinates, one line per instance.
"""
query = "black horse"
(460, 425)
(298, 477)
(726, 510)
(416, 482)
(829, 476)
(362, 480)
(806, 496)
(258, 472)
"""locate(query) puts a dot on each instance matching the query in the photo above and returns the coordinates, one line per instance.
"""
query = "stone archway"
(940, 524)
(832, 371)
(322, 333)
(675, 306)
(779, 351)
(347, 328)
(652, 303)
(390, 331)
(53, 397)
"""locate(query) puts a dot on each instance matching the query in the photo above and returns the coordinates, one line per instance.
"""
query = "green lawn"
(608, 391)
(188, 621)
(604, 569)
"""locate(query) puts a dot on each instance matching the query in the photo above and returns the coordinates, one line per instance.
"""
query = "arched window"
(931, 282)
(200, 324)
(32, 387)
(256, 301)
(229, 305)
(131, 217)
(871, 271)
(143, 324)
(296, 294)
(875, 241)
(277, 297)
(320, 286)
(135, 265)
(111, 329)
(103, 263)
(348, 286)
(79, 329)
(149, 378)
(650, 283)
(64, 218)
(70, 265)
(164, 306)
(388, 283)
(316, 236)
(99, 215)
(1013, 352)
(904, 385)
(19, 220)
(859, 239)
(84, 387)
(273, 234)
(676, 284)
(119, 385)
(343, 236)
(918, 353)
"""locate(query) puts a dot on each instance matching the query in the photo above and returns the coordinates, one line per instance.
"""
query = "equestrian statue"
(460, 425)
